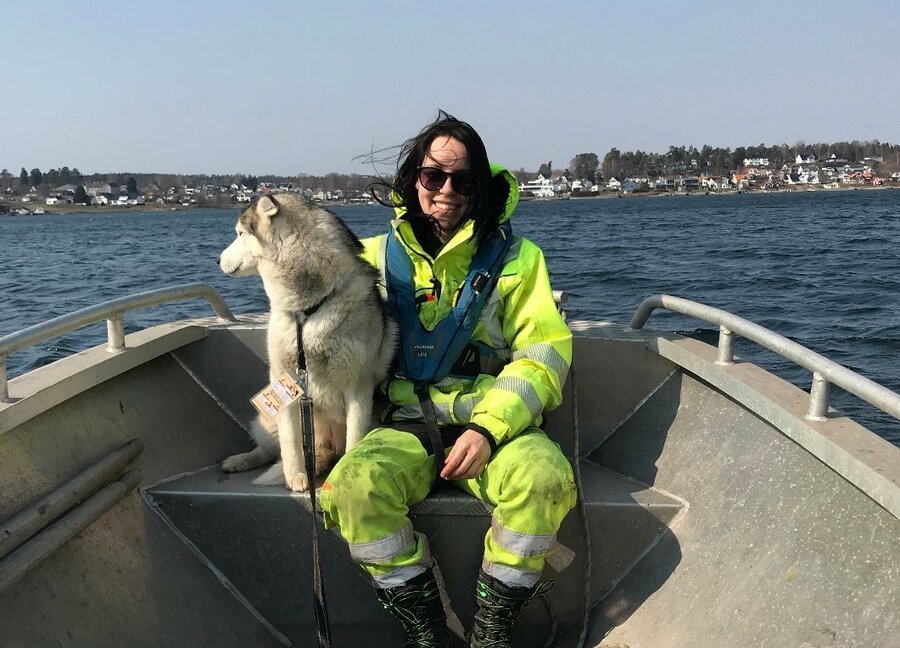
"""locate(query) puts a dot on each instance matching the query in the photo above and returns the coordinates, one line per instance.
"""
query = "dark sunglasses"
(433, 179)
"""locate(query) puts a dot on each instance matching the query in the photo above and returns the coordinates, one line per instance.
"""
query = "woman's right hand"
(468, 456)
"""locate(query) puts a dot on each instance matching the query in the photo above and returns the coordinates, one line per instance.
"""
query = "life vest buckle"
(480, 281)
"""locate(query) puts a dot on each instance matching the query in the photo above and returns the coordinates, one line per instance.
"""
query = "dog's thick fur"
(307, 256)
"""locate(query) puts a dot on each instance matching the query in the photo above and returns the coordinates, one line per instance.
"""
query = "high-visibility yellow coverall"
(528, 481)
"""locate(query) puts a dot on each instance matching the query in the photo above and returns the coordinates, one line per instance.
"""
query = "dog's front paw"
(239, 462)
(297, 482)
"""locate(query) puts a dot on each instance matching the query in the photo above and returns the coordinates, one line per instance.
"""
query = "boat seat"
(258, 539)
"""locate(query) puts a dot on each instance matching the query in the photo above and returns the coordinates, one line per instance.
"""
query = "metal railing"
(825, 372)
(113, 312)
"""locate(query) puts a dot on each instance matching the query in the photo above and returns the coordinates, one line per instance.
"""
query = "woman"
(454, 271)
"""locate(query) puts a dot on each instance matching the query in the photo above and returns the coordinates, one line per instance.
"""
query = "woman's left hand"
(468, 456)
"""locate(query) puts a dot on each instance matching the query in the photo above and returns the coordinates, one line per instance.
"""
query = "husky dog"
(311, 270)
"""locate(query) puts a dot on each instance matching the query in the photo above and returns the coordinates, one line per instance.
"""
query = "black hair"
(487, 199)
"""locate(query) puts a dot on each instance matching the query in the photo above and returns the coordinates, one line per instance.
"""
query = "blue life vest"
(427, 356)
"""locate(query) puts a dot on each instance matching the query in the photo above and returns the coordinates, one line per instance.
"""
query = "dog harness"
(426, 357)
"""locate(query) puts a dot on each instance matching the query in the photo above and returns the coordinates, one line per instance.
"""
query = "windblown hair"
(487, 200)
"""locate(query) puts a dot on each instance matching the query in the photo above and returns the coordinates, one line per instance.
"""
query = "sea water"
(821, 268)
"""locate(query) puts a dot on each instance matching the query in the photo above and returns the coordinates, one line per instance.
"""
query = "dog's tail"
(274, 476)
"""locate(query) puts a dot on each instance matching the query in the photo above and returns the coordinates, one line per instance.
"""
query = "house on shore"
(540, 187)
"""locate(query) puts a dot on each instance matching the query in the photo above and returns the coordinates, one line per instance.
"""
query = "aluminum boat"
(721, 505)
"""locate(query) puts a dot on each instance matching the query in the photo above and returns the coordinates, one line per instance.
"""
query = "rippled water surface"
(821, 269)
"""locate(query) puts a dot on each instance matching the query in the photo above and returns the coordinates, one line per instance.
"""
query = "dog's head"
(251, 246)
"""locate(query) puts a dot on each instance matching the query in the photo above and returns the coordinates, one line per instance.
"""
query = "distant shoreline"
(728, 192)
(72, 208)
(60, 210)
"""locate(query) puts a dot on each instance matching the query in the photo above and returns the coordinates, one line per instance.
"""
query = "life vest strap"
(431, 426)
(449, 433)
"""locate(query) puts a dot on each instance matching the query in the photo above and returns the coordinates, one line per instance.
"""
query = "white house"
(806, 158)
(65, 189)
(613, 184)
(799, 175)
(540, 187)
(95, 189)
(664, 184)
(756, 162)
(585, 185)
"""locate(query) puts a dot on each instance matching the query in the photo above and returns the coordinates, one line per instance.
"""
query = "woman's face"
(445, 205)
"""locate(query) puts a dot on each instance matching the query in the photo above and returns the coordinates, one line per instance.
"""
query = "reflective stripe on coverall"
(527, 480)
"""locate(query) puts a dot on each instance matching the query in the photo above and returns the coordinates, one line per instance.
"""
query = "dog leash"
(323, 629)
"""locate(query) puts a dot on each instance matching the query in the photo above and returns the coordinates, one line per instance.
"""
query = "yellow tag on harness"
(277, 396)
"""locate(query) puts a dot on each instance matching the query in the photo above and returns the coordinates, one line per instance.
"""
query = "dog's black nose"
(219, 261)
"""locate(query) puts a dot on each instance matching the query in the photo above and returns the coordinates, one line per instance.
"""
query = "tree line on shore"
(615, 163)
(715, 160)
(160, 183)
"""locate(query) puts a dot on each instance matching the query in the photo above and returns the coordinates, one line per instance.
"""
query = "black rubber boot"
(417, 605)
(498, 607)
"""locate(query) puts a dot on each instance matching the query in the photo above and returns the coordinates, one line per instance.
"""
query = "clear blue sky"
(303, 87)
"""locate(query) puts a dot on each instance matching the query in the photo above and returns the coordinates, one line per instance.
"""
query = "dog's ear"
(267, 206)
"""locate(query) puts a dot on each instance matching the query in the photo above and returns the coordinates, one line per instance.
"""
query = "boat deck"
(257, 539)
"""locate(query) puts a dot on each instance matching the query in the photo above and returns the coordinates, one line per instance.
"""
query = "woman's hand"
(468, 456)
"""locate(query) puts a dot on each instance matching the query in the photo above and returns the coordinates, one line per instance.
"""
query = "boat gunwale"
(866, 460)
(113, 312)
(824, 370)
